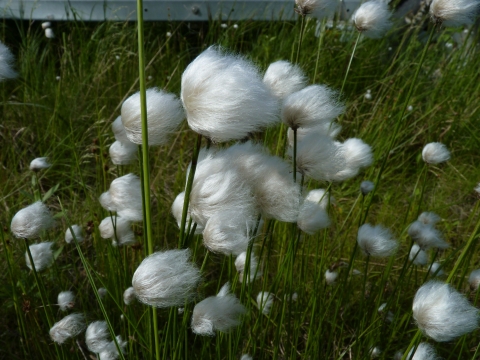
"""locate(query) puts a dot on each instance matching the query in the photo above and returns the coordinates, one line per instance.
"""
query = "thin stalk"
(350, 62)
(294, 155)
(302, 29)
(320, 43)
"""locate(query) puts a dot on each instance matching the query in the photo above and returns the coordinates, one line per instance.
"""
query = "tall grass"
(69, 121)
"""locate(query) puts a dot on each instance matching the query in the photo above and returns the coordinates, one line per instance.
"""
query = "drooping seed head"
(372, 19)
(254, 269)
(376, 241)
(97, 336)
(129, 296)
(454, 13)
(70, 326)
(265, 302)
(424, 351)
(313, 214)
(284, 78)
(418, 256)
(29, 222)
(435, 153)
(66, 300)
(42, 256)
(118, 229)
(77, 231)
(40, 163)
(123, 153)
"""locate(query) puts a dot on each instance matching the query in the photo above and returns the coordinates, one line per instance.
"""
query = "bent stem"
(350, 62)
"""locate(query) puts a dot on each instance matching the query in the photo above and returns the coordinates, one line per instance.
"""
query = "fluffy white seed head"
(376, 241)
(225, 98)
(357, 155)
(429, 218)
(166, 279)
(40, 163)
(129, 296)
(6, 63)
(375, 352)
(118, 229)
(217, 313)
(49, 34)
(330, 130)
(102, 292)
(435, 153)
(454, 13)
(125, 197)
(42, 255)
(388, 316)
(97, 336)
(77, 231)
(246, 357)
(123, 153)
(119, 131)
(265, 302)
(426, 236)
(46, 24)
(177, 211)
(436, 269)
(315, 105)
(317, 8)
(164, 115)
(255, 271)
(110, 352)
(372, 19)
(70, 326)
(66, 300)
(424, 351)
(29, 222)
(284, 78)
(418, 256)
(474, 279)
(366, 187)
(331, 277)
(313, 214)
(477, 189)
(442, 313)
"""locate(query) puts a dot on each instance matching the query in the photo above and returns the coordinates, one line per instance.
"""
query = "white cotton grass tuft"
(246, 357)
(217, 313)
(42, 256)
(40, 163)
(331, 277)
(357, 155)
(418, 256)
(66, 300)
(46, 25)
(70, 326)
(330, 130)
(177, 212)
(29, 222)
(366, 187)
(388, 316)
(372, 19)
(166, 279)
(429, 218)
(284, 78)
(123, 153)
(164, 115)
(315, 105)
(254, 271)
(426, 236)
(6, 63)
(436, 270)
(225, 98)
(375, 352)
(129, 296)
(313, 214)
(119, 131)
(49, 34)
(474, 280)
(376, 241)
(97, 336)
(454, 13)
(424, 351)
(442, 313)
(317, 8)
(435, 153)
(77, 231)
(265, 302)
(110, 352)
(118, 229)
(477, 189)
(125, 197)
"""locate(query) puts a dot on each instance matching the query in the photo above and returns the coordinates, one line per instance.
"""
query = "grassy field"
(70, 90)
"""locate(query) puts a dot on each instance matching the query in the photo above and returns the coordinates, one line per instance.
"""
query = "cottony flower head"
(123, 153)
(29, 222)
(284, 78)
(254, 270)
(77, 231)
(42, 256)
(372, 19)
(70, 326)
(265, 301)
(6, 63)
(40, 163)
(435, 153)
(376, 241)
(313, 214)
(66, 300)
(125, 197)
(454, 13)
(424, 351)
(97, 336)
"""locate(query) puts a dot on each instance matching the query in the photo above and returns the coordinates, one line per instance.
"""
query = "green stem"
(302, 29)
(320, 43)
(350, 62)
(294, 155)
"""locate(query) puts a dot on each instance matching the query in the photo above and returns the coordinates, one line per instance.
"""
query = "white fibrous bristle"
(426, 236)
(42, 255)
(372, 19)
(366, 187)
(49, 34)
(388, 316)
(217, 313)
(177, 211)
(418, 256)
(442, 313)
(265, 302)
(119, 131)
(375, 352)
(254, 271)
(46, 25)
(125, 197)
(313, 214)
(474, 280)
(102, 292)
(477, 188)
(424, 351)
(29, 222)
(164, 115)
(330, 130)
(357, 155)
(40, 163)
(110, 352)
(436, 270)
(429, 218)
(129, 296)
(97, 336)
(246, 357)
(284, 78)
(319, 9)
(331, 277)
(228, 232)
(454, 13)
(66, 300)
(123, 153)
(225, 98)
(70, 326)
(166, 279)
(435, 153)
(77, 231)
(6, 63)
(376, 241)
(118, 229)
(313, 106)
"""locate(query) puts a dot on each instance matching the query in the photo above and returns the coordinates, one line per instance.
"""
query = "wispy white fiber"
(217, 313)
(424, 351)
(129, 296)
(123, 153)
(125, 197)
(42, 256)
(97, 336)
(357, 155)
(284, 78)
(177, 211)
(375, 352)
(255, 270)
(366, 187)
(436, 270)
(376, 241)
(166, 279)
(474, 279)
(118, 229)
(454, 13)
(164, 115)
(40, 163)
(442, 313)
(435, 153)
(225, 98)
(313, 214)
(66, 300)
(317, 8)
(246, 357)
(331, 277)
(429, 218)
(77, 231)
(6, 63)
(119, 131)
(418, 256)
(110, 352)
(426, 236)
(265, 301)
(70, 326)
(330, 130)
(29, 222)
(372, 19)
